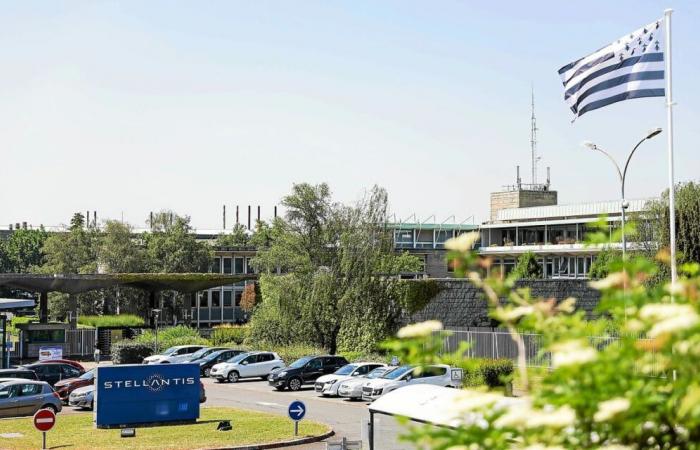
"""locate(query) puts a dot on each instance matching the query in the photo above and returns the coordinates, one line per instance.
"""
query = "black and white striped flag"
(631, 67)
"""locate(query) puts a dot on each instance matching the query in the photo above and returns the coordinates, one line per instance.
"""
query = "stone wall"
(460, 304)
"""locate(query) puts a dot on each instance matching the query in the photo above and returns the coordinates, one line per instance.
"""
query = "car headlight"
(281, 374)
(378, 391)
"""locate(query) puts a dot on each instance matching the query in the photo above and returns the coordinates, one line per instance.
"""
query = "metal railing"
(484, 343)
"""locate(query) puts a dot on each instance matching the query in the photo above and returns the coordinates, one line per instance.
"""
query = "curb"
(300, 441)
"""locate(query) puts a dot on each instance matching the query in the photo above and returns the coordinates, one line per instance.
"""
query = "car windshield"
(378, 372)
(396, 373)
(238, 358)
(199, 353)
(301, 362)
(89, 375)
(170, 351)
(346, 370)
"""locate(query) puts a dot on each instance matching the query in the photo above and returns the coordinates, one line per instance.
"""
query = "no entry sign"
(44, 419)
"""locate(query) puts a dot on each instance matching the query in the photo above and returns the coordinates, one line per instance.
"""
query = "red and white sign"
(44, 419)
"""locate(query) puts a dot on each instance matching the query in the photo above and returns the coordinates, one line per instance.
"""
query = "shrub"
(130, 352)
(172, 336)
(229, 333)
(366, 356)
(121, 320)
(249, 297)
(483, 371)
(290, 353)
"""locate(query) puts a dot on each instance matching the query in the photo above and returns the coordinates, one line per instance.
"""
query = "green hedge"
(130, 352)
(121, 320)
(229, 333)
(489, 372)
(172, 336)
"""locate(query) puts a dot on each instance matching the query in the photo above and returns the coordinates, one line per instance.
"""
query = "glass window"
(30, 389)
(9, 391)
(47, 335)
(215, 299)
(228, 295)
(315, 364)
(204, 299)
(237, 265)
(227, 265)
(238, 295)
(70, 372)
(216, 265)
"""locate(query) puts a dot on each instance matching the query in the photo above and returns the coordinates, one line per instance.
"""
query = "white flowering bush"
(629, 380)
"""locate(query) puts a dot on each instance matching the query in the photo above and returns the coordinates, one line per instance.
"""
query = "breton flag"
(631, 67)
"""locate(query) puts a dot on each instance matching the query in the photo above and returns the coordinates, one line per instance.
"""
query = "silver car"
(25, 397)
(83, 397)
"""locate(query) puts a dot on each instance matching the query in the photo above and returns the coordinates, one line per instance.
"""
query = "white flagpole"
(669, 134)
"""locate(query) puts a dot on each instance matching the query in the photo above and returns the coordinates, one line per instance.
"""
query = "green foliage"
(22, 251)
(19, 320)
(359, 356)
(416, 294)
(129, 351)
(172, 246)
(637, 388)
(237, 238)
(527, 268)
(340, 287)
(122, 320)
(171, 336)
(602, 262)
(118, 251)
(290, 353)
(229, 333)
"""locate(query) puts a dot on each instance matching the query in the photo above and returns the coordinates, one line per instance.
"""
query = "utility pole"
(533, 138)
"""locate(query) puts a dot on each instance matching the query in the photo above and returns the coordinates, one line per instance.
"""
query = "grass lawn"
(76, 431)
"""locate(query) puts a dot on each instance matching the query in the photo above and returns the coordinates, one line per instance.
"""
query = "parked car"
(20, 397)
(175, 354)
(438, 375)
(65, 387)
(327, 385)
(352, 388)
(202, 352)
(18, 373)
(213, 358)
(247, 365)
(83, 397)
(305, 370)
(70, 362)
(54, 372)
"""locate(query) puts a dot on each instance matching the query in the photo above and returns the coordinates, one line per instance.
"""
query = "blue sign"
(296, 410)
(139, 394)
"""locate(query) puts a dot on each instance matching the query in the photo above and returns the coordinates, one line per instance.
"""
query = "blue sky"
(128, 107)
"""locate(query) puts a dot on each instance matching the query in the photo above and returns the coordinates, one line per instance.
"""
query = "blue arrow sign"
(296, 410)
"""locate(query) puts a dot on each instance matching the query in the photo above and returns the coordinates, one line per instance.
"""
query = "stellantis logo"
(154, 383)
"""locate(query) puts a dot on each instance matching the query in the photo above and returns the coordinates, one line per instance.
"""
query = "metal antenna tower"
(533, 139)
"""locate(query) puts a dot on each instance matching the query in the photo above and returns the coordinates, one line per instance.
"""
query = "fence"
(78, 343)
(490, 343)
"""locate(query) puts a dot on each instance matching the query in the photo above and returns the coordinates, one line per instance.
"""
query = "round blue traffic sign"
(296, 410)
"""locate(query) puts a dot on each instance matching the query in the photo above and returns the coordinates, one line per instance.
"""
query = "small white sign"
(47, 353)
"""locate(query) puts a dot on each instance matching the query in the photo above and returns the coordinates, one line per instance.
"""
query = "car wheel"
(264, 378)
(207, 371)
(294, 384)
(279, 388)
(220, 380)
(233, 376)
(51, 407)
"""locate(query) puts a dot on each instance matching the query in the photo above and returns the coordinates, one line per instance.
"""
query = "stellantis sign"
(138, 394)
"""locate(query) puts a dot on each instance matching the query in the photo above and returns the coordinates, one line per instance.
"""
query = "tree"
(22, 251)
(527, 267)
(248, 298)
(120, 252)
(172, 246)
(340, 270)
(600, 268)
(237, 238)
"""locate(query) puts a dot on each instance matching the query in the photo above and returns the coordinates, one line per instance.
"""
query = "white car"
(437, 375)
(328, 384)
(352, 388)
(247, 365)
(83, 397)
(173, 355)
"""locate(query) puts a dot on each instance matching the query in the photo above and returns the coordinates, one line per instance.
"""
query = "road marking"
(268, 404)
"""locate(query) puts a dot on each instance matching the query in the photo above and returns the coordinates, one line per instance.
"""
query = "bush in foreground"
(130, 352)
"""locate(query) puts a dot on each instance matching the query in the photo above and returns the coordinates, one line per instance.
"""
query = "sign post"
(296, 412)
(44, 420)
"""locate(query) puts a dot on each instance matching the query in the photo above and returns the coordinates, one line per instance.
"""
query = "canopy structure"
(186, 283)
(8, 304)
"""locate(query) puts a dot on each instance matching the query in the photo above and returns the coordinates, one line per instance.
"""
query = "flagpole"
(669, 135)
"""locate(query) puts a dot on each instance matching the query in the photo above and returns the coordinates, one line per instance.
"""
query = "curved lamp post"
(622, 174)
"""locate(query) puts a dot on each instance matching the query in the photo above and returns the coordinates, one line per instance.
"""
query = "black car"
(54, 372)
(206, 363)
(305, 371)
(18, 373)
(202, 353)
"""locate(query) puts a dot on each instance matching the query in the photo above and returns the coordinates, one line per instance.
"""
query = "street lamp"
(156, 313)
(622, 174)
